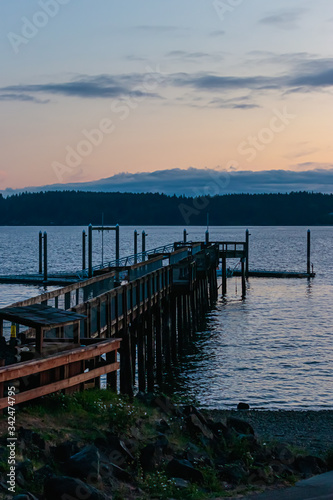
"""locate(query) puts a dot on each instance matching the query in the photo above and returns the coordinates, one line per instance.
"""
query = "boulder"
(184, 469)
(68, 487)
(84, 464)
(243, 406)
(240, 426)
(118, 452)
(233, 473)
(63, 451)
(310, 465)
(196, 427)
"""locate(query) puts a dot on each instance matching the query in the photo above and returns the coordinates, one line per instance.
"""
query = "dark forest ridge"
(80, 208)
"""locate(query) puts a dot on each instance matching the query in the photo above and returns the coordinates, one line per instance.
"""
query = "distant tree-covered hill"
(82, 208)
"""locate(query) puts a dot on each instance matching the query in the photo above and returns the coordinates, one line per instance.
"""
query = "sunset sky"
(225, 84)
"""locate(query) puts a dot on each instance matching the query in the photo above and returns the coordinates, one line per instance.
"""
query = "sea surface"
(273, 350)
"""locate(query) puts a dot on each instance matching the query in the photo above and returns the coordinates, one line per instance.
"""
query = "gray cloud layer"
(305, 73)
(196, 182)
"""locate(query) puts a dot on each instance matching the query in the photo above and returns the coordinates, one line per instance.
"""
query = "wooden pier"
(146, 319)
(129, 321)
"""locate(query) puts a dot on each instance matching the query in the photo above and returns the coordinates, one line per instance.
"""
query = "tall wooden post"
(243, 279)
(117, 245)
(247, 241)
(83, 250)
(143, 245)
(159, 351)
(185, 236)
(308, 267)
(141, 356)
(173, 330)
(40, 269)
(135, 247)
(90, 251)
(224, 275)
(207, 237)
(45, 256)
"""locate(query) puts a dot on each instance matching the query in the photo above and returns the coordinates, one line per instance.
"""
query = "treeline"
(81, 208)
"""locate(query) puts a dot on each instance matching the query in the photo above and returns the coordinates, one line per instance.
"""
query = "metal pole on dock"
(143, 245)
(40, 270)
(45, 256)
(90, 250)
(185, 236)
(117, 244)
(135, 247)
(247, 239)
(308, 267)
(83, 250)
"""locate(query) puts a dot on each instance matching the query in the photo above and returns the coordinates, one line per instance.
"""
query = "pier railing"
(67, 370)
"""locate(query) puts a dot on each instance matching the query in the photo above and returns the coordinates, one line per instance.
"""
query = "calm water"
(273, 350)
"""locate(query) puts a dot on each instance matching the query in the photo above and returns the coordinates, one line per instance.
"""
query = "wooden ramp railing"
(60, 371)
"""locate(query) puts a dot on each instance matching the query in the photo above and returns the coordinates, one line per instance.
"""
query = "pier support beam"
(90, 269)
(243, 279)
(40, 269)
(45, 256)
(247, 242)
(135, 247)
(185, 236)
(224, 275)
(83, 250)
(143, 245)
(308, 262)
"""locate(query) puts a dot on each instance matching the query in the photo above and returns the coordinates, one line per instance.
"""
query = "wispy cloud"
(23, 98)
(304, 74)
(287, 19)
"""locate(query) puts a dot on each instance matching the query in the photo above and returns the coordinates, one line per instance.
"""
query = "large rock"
(118, 453)
(196, 427)
(310, 465)
(240, 426)
(57, 488)
(184, 470)
(63, 451)
(84, 464)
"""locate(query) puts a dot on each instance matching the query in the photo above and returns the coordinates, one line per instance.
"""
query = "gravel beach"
(312, 430)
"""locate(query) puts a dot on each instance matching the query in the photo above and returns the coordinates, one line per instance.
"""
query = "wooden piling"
(224, 275)
(84, 236)
(243, 279)
(308, 260)
(135, 247)
(40, 268)
(45, 256)
(247, 248)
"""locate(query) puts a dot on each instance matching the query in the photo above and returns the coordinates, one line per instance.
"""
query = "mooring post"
(135, 247)
(40, 270)
(243, 279)
(83, 250)
(45, 255)
(224, 275)
(90, 250)
(308, 267)
(143, 245)
(207, 237)
(247, 240)
(185, 236)
(117, 245)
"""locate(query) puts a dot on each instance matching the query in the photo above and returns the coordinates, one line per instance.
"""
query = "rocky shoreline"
(309, 429)
(100, 446)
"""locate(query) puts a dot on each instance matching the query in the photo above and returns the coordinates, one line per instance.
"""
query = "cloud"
(157, 29)
(100, 86)
(196, 182)
(304, 73)
(285, 19)
(23, 98)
